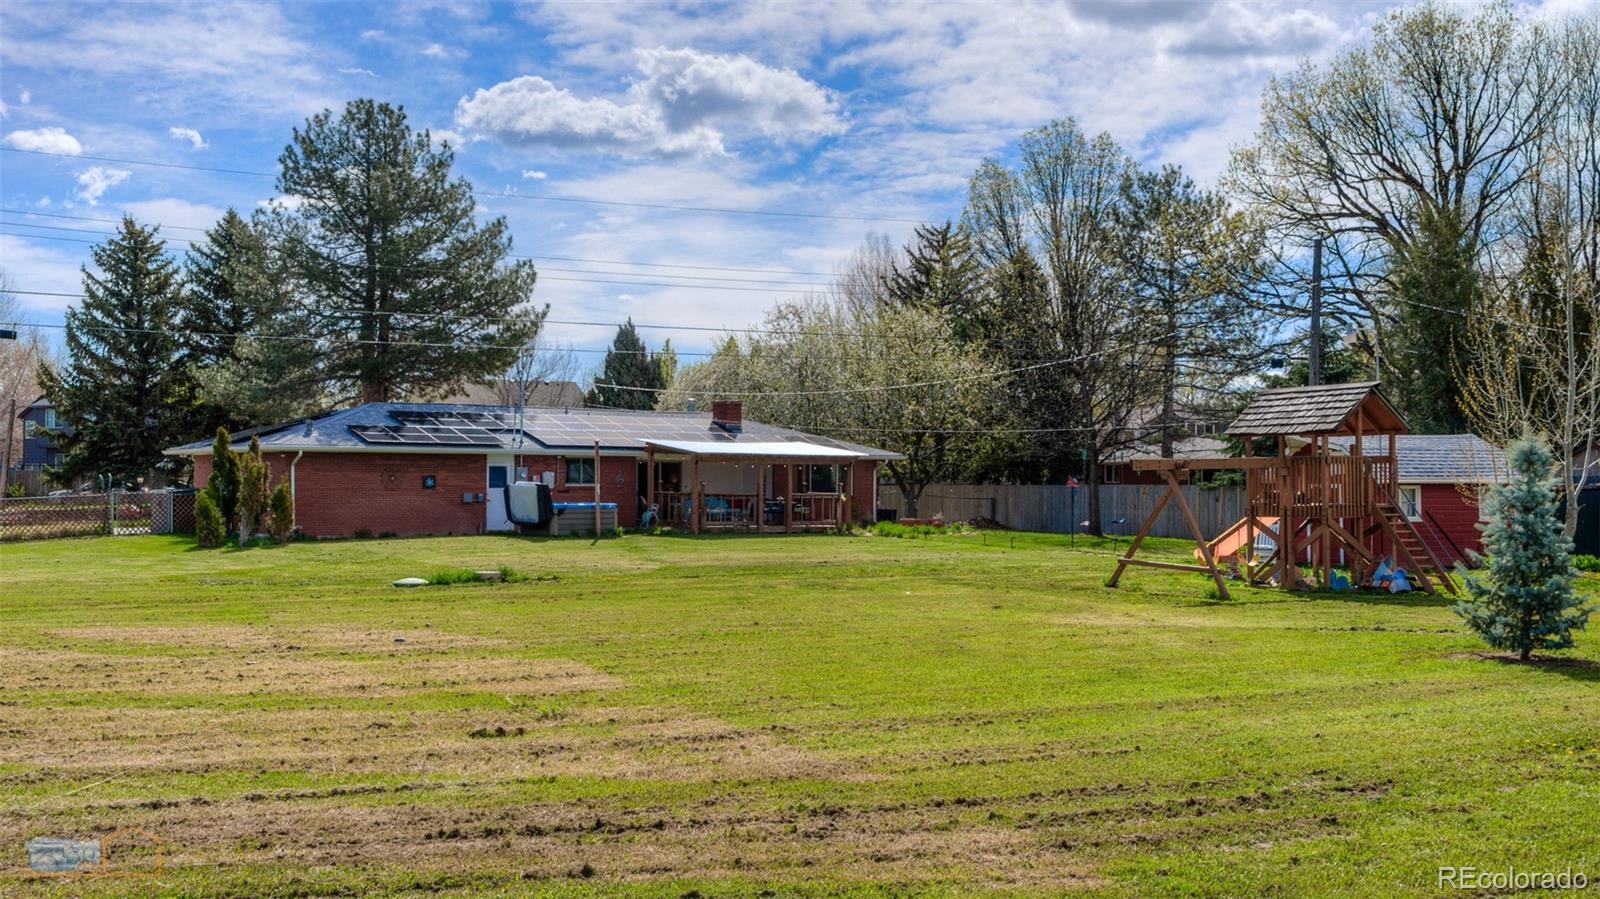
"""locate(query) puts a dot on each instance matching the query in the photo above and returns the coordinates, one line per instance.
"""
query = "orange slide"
(1233, 539)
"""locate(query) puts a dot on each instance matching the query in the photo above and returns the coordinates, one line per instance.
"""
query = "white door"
(494, 494)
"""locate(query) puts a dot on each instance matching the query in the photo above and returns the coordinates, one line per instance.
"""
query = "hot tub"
(578, 518)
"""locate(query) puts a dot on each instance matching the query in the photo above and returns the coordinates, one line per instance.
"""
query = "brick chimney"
(727, 415)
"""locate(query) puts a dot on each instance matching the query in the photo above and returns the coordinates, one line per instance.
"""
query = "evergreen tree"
(255, 491)
(403, 290)
(223, 485)
(628, 364)
(940, 273)
(1527, 601)
(124, 390)
(1435, 287)
(230, 294)
(224, 297)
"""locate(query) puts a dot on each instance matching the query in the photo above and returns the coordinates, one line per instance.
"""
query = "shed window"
(580, 472)
(1411, 501)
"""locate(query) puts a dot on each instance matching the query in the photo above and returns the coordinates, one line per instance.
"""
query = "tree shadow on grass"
(1586, 670)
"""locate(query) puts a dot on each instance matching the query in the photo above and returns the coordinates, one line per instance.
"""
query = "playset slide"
(1232, 540)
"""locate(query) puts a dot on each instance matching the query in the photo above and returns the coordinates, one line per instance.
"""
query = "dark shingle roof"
(555, 430)
(1437, 458)
(1323, 409)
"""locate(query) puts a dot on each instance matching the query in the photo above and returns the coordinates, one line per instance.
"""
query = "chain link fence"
(117, 513)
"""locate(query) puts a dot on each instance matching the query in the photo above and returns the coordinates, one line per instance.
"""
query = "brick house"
(441, 468)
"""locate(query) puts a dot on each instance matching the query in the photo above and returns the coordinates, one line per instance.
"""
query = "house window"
(30, 428)
(819, 478)
(1113, 474)
(50, 418)
(580, 472)
(1411, 501)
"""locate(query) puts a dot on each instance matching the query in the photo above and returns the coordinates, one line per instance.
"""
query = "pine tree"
(941, 273)
(1527, 601)
(225, 295)
(124, 391)
(1435, 284)
(230, 294)
(628, 364)
(403, 289)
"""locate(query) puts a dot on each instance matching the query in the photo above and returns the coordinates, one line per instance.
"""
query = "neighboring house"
(40, 435)
(547, 394)
(440, 468)
(1119, 470)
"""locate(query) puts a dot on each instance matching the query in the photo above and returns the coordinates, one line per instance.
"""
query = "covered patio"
(764, 487)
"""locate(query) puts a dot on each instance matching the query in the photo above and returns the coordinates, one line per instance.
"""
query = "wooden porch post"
(597, 489)
(761, 495)
(650, 482)
(788, 498)
(696, 497)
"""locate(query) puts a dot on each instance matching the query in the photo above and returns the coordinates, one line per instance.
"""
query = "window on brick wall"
(580, 472)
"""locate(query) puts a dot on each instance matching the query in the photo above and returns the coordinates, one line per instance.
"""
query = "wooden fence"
(1059, 509)
(119, 513)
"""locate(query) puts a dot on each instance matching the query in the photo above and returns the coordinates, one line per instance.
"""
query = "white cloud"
(190, 135)
(440, 51)
(173, 214)
(243, 53)
(25, 97)
(43, 269)
(684, 103)
(45, 140)
(534, 175)
(357, 70)
(93, 182)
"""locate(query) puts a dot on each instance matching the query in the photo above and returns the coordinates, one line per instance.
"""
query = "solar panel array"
(441, 428)
(616, 429)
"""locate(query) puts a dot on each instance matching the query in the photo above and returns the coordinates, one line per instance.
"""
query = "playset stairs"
(1411, 552)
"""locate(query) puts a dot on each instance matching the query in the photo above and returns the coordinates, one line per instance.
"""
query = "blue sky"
(873, 112)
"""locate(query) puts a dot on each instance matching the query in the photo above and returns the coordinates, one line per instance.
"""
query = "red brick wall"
(619, 483)
(340, 493)
(337, 494)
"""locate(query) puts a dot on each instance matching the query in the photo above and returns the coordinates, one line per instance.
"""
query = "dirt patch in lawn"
(277, 639)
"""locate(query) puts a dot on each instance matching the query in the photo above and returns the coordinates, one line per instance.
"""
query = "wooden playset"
(1316, 504)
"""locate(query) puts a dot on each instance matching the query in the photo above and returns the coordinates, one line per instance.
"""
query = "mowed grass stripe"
(809, 715)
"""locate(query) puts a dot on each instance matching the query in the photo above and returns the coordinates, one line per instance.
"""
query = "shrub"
(255, 490)
(209, 528)
(280, 521)
(224, 480)
(1586, 562)
(1526, 602)
(16, 491)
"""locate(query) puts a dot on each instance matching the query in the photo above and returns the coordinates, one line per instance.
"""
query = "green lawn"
(821, 714)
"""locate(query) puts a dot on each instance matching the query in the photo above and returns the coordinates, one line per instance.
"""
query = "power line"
(530, 257)
(797, 287)
(550, 198)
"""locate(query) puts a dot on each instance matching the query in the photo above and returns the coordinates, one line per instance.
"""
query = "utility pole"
(1315, 375)
(5, 468)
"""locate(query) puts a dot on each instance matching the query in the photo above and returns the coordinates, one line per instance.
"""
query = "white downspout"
(293, 495)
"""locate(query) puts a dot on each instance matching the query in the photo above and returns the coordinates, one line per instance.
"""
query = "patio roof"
(780, 449)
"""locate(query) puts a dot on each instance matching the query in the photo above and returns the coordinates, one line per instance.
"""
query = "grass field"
(814, 715)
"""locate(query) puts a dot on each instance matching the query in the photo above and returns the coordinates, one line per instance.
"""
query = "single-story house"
(441, 468)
